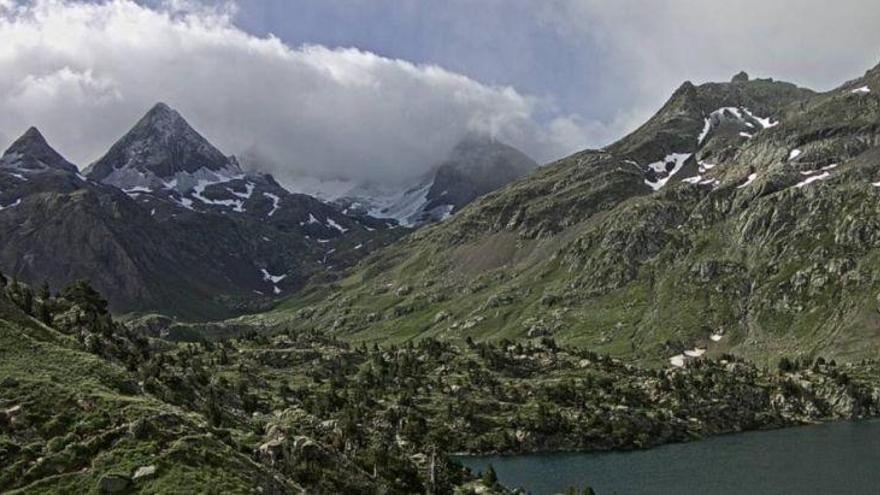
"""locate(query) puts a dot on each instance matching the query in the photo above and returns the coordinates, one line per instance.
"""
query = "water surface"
(825, 459)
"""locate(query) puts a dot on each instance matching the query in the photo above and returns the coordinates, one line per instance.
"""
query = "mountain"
(476, 166)
(31, 153)
(161, 150)
(164, 222)
(741, 218)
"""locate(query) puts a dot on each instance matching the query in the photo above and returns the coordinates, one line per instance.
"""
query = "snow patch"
(13, 205)
(707, 126)
(694, 353)
(184, 202)
(334, 225)
(677, 159)
(679, 360)
(814, 178)
(716, 337)
(182, 182)
(245, 195)
(446, 212)
(748, 181)
(741, 114)
(273, 279)
(199, 189)
(794, 154)
(766, 123)
(276, 202)
(405, 207)
(829, 167)
(861, 91)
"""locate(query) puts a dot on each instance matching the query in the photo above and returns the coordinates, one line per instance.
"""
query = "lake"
(823, 459)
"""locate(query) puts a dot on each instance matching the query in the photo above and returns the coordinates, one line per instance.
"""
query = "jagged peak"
(32, 151)
(686, 87)
(161, 111)
(741, 77)
(31, 138)
(161, 143)
(167, 122)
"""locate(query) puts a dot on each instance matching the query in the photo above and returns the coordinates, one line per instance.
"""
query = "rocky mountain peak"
(31, 151)
(160, 147)
(165, 120)
(742, 77)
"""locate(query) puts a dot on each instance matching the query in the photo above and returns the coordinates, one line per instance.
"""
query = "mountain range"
(741, 218)
(717, 270)
(166, 222)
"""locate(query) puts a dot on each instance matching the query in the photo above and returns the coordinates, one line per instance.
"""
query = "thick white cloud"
(84, 72)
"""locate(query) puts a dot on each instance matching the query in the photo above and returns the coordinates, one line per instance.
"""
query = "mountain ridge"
(708, 230)
(205, 240)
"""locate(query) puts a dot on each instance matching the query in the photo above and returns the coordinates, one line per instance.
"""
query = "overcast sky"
(381, 89)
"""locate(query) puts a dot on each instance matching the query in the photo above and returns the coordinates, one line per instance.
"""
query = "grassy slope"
(75, 421)
(579, 250)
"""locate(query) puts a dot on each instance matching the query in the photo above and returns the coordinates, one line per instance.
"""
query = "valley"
(170, 318)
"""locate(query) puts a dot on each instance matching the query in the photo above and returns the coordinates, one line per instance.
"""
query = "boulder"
(113, 483)
(144, 473)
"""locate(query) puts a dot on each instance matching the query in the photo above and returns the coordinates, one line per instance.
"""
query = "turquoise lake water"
(832, 458)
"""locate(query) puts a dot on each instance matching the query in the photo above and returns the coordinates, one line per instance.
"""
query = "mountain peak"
(741, 77)
(161, 145)
(161, 106)
(161, 112)
(31, 139)
(31, 151)
(165, 122)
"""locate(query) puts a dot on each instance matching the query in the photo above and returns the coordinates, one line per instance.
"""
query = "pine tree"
(82, 294)
(43, 313)
(490, 478)
(27, 301)
(44, 293)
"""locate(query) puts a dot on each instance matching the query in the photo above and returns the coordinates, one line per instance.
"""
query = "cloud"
(84, 73)
(647, 49)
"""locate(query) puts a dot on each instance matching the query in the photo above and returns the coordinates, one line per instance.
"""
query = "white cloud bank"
(85, 72)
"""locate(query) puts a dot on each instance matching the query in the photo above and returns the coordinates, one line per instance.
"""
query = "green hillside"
(762, 242)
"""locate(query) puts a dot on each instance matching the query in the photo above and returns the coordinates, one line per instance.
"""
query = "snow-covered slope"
(476, 166)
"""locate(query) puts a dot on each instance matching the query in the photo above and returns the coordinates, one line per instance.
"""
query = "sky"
(380, 90)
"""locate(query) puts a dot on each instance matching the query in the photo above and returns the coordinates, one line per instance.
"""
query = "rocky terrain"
(740, 219)
(165, 222)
